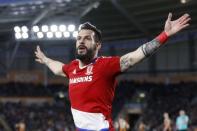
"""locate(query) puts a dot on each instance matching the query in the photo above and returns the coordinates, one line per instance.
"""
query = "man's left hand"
(172, 27)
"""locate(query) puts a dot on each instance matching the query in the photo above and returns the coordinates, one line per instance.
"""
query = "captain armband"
(150, 47)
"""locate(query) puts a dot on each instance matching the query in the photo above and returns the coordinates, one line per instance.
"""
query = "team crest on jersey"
(74, 71)
(89, 70)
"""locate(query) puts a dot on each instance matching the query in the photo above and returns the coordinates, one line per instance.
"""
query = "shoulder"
(108, 58)
(74, 62)
(71, 64)
(67, 68)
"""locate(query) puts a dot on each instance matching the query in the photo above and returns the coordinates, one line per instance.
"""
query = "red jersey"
(91, 90)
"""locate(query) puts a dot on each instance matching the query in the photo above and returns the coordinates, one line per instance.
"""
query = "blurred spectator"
(142, 126)
(121, 124)
(21, 126)
(182, 121)
(166, 122)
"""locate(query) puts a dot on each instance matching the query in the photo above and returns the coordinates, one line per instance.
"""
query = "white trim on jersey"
(89, 121)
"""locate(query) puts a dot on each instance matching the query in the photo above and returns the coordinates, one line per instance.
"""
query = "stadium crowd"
(56, 116)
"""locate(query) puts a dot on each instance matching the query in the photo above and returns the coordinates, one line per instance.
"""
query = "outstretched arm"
(53, 65)
(171, 28)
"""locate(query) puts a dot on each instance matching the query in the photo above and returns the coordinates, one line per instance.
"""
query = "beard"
(86, 57)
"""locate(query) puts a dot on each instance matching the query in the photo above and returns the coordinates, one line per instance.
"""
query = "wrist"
(167, 33)
(163, 37)
(46, 61)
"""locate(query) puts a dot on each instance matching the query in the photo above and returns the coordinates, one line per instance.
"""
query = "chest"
(88, 76)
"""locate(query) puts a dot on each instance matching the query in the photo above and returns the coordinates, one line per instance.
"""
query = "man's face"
(86, 47)
(165, 115)
(182, 112)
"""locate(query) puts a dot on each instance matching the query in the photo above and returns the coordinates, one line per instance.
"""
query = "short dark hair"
(89, 26)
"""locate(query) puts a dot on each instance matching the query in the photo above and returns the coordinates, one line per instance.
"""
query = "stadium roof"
(118, 19)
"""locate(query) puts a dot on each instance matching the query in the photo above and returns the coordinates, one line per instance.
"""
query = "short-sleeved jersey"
(182, 122)
(91, 92)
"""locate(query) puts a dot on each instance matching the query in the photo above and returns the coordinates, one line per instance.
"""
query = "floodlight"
(35, 28)
(25, 35)
(66, 34)
(71, 28)
(45, 28)
(18, 35)
(75, 33)
(40, 35)
(24, 28)
(49, 34)
(58, 34)
(53, 28)
(17, 29)
(62, 28)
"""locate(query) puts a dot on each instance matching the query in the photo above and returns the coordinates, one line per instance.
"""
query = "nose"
(81, 42)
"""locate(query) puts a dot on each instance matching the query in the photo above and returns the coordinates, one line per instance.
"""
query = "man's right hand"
(53, 65)
(40, 56)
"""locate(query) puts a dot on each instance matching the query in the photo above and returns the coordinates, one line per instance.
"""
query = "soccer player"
(92, 79)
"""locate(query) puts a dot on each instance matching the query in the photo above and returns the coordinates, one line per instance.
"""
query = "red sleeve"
(112, 66)
(65, 69)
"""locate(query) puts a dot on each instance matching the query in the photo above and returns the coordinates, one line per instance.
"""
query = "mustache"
(81, 46)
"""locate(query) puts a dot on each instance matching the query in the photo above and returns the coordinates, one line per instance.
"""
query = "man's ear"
(98, 44)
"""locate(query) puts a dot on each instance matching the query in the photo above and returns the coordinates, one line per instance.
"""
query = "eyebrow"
(84, 35)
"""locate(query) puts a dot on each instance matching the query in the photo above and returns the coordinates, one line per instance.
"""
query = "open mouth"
(82, 48)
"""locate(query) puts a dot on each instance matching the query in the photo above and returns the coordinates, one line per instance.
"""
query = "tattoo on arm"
(125, 62)
(129, 60)
(150, 47)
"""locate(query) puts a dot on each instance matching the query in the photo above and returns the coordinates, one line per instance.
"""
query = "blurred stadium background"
(30, 93)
